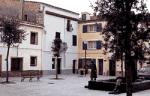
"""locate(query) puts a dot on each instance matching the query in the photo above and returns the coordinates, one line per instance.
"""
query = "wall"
(25, 50)
(58, 24)
(13, 8)
(94, 54)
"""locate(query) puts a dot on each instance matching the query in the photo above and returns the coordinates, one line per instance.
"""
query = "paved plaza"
(68, 85)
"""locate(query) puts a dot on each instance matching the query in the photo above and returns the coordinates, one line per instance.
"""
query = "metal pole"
(85, 63)
(56, 67)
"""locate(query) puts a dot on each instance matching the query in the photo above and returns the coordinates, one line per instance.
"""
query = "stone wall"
(30, 9)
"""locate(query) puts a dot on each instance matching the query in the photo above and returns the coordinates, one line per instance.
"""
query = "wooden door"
(100, 66)
(16, 64)
(0, 64)
(59, 65)
(74, 66)
(112, 68)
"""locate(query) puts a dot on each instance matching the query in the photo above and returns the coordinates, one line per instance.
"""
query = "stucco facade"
(23, 51)
(90, 46)
(91, 35)
(55, 20)
(42, 21)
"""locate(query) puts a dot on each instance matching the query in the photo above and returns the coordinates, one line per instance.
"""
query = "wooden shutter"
(84, 46)
(68, 25)
(84, 28)
(74, 40)
(99, 27)
(98, 44)
(36, 38)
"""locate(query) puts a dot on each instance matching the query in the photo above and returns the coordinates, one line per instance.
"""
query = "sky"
(75, 5)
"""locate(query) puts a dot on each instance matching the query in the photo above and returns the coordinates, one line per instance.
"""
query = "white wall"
(54, 24)
(59, 11)
(25, 50)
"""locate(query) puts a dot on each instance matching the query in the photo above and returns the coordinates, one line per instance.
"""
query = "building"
(28, 54)
(63, 24)
(42, 22)
(90, 45)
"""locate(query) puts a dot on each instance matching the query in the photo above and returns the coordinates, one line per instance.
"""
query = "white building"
(64, 24)
(26, 55)
(43, 23)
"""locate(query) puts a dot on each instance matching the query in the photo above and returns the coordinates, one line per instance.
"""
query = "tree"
(10, 35)
(57, 47)
(127, 25)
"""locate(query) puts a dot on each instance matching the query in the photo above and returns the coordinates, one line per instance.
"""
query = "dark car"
(144, 73)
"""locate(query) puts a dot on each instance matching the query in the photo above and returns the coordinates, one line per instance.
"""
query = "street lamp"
(85, 48)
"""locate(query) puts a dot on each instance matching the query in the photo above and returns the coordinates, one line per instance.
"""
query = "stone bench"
(30, 74)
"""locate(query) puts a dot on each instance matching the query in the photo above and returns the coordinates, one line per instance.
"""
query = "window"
(69, 26)
(53, 63)
(34, 38)
(83, 16)
(33, 61)
(92, 45)
(81, 63)
(74, 40)
(57, 35)
(92, 28)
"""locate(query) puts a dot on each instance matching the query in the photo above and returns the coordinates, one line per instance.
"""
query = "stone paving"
(68, 85)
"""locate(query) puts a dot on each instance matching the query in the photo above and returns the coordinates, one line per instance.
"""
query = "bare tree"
(57, 47)
(10, 35)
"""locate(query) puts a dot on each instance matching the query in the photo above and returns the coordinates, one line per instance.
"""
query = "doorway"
(59, 65)
(74, 67)
(100, 61)
(112, 68)
(0, 65)
(16, 64)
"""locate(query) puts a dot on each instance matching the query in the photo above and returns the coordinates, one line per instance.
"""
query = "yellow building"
(90, 46)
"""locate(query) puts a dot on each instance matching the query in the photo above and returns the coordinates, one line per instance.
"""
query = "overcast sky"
(74, 5)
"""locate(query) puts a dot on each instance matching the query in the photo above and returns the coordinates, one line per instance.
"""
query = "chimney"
(21, 9)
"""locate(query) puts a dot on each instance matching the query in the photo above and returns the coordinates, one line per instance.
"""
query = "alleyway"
(68, 85)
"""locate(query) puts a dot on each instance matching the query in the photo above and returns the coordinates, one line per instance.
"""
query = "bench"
(30, 74)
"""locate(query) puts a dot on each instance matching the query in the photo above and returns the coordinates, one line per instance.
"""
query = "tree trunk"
(128, 75)
(128, 46)
(7, 65)
(134, 69)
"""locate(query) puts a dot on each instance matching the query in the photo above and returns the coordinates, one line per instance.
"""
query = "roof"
(54, 7)
(90, 21)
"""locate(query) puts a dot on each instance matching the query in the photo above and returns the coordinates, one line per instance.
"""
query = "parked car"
(144, 72)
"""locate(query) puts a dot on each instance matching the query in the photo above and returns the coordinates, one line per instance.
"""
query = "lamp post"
(85, 48)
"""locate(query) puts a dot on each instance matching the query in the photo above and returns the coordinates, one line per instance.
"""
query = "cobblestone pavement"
(67, 85)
